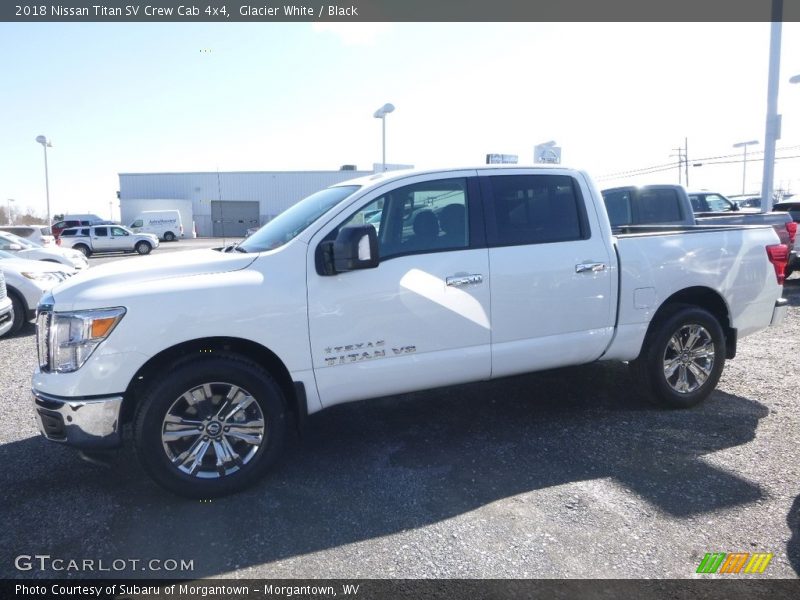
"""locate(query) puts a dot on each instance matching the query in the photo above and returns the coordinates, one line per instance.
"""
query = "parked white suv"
(24, 248)
(40, 234)
(26, 281)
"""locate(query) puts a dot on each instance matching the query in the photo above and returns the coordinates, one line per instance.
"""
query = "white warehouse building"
(222, 204)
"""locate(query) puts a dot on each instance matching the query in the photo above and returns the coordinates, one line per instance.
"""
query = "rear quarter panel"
(730, 261)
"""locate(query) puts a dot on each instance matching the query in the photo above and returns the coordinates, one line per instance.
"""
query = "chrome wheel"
(689, 358)
(212, 430)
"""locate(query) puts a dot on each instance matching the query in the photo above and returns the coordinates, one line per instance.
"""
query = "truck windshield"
(291, 222)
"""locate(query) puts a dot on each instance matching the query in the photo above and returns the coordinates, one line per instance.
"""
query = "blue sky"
(300, 96)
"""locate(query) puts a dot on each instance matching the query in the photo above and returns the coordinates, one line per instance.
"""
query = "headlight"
(67, 340)
(42, 276)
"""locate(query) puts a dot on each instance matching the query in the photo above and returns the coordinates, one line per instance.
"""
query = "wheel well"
(704, 298)
(245, 348)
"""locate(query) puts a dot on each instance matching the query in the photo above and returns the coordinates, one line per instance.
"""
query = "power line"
(674, 164)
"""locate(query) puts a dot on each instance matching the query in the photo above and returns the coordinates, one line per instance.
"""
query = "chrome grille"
(2, 286)
(43, 322)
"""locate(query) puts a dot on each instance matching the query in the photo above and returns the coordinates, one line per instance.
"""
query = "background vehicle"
(6, 308)
(107, 238)
(24, 248)
(38, 234)
(74, 221)
(669, 204)
(792, 208)
(166, 224)
(648, 205)
(26, 281)
(474, 274)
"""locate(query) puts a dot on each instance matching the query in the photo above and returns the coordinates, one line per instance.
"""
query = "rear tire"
(143, 248)
(211, 426)
(83, 249)
(169, 237)
(682, 357)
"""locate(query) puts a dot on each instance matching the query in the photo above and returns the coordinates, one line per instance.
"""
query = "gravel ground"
(563, 474)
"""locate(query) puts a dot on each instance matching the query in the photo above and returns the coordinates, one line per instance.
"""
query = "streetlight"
(744, 161)
(381, 114)
(10, 200)
(46, 144)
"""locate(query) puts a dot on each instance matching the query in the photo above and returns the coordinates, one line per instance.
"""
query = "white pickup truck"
(106, 238)
(466, 275)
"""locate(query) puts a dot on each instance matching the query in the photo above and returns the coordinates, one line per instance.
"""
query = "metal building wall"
(274, 190)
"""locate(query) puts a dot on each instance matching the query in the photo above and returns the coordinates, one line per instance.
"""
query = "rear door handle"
(462, 280)
(590, 267)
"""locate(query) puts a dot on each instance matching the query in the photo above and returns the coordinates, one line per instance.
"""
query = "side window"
(659, 206)
(697, 203)
(717, 203)
(536, 209)
(68, 233)
(137, 223)
(117, 231)
(618, 206)
(101, 231)
(423, 217)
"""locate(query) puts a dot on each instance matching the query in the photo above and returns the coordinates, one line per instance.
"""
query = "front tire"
(18, 307)
(143, 248)
(682, 357)
(210, 426)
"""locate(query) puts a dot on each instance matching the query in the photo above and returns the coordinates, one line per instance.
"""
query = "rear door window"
(659, 206)
(535, 209)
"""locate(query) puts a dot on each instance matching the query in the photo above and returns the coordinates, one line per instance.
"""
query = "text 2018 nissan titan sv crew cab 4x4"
(471, 274)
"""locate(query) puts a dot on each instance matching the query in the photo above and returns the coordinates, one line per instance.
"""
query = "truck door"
(553, 280)
(101, 239)
(120, 239)
(421, 317)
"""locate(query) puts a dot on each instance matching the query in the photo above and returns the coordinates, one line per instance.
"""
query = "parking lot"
(562, 474)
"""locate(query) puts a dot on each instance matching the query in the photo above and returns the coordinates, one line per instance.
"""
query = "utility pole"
(686, 159)
(681, 158)
(773, 125)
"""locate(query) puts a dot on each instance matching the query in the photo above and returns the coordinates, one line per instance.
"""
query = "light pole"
(10, 200)
(381, 114)
(744, 160)
(46, 144)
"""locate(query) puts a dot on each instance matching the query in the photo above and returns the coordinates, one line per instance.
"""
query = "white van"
(166, 224)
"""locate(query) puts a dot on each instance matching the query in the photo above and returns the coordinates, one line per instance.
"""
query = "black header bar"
(268, 11)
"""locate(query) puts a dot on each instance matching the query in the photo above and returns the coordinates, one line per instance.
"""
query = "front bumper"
(87, 424)
(779, 312)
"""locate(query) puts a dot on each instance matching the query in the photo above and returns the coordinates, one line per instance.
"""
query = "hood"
(18, 265)
(54, 253)
(132, 272)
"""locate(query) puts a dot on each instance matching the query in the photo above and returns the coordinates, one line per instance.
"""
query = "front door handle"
(590, 267)
(462, 280)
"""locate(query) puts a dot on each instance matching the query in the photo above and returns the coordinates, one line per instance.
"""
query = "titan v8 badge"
(352, 353)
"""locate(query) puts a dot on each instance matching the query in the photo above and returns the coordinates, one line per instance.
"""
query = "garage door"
(233, 218)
